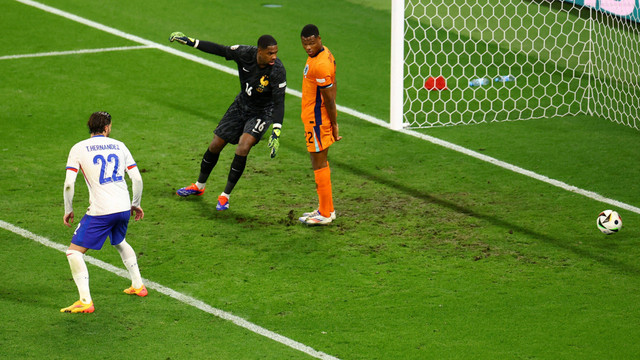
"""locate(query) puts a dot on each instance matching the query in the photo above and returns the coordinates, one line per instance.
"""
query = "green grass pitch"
(434, 254)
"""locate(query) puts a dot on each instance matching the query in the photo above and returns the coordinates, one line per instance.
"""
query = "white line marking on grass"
(176, 295)
(74, 52)
(494, 161)
(343, 109)
(128, 36)
(519, 170)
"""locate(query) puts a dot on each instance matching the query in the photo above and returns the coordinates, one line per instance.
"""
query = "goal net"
(503, 60)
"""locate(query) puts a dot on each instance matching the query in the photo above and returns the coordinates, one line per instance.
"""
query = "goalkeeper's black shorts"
(241, 119)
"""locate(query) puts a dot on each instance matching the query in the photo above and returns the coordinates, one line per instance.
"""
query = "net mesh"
(534, 59)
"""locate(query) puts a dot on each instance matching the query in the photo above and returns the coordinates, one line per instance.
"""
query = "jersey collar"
(321, 50)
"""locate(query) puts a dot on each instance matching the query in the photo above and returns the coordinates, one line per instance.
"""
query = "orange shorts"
(318, 137)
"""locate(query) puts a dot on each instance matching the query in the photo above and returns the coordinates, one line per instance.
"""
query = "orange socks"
(325, 198)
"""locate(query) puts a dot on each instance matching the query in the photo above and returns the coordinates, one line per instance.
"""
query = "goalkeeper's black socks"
(209, 161)
(237, 168)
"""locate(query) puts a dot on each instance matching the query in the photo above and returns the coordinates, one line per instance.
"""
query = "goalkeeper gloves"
(274, 142)
(183, 39)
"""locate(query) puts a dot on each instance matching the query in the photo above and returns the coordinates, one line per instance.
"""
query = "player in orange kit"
(319, 116)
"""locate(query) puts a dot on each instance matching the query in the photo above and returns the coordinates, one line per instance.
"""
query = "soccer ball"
(609, 222)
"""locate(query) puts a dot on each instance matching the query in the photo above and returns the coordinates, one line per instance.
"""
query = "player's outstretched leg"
(209, 161)
(130, 261)
(81, 278)
(192, 189)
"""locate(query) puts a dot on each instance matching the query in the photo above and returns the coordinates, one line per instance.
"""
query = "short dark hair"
(310, 30)
(265, 41)
(97, 121)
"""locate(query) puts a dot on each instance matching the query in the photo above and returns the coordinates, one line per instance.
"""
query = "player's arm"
(329, 98)
(68, 192)
(278, 95)
(136, 189)
(206, 46)
(213, 48)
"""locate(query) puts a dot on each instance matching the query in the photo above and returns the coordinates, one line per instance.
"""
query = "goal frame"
(603, 14)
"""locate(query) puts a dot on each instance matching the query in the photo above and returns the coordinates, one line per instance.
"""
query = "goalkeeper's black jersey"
(260, 88)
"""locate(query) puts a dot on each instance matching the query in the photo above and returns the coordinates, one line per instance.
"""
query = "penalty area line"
(176, 295)
(342, 109)
(74, 52)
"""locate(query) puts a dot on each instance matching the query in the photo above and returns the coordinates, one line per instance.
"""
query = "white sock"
(200, 185)
(225, 195)
(130, 261)
(80, 274)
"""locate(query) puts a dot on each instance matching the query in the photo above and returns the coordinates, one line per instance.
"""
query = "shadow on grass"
(209, 212)
(490, 218)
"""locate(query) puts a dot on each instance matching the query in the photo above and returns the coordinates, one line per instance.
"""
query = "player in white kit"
(103, 162)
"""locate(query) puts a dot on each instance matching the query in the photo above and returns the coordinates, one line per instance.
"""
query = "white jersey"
(103, 162)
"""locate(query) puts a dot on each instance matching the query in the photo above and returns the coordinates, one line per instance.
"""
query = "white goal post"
(506, 60)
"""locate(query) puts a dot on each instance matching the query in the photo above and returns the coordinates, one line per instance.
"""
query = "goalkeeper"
(259, 104)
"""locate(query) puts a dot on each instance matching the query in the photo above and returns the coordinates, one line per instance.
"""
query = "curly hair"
(97, 121)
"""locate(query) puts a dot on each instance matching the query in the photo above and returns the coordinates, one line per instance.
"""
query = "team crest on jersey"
(264, 81)
(306, 69)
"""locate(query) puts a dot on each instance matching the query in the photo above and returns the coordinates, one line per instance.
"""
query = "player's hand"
(274, 142)
(137, 211)
(68, 219)
(182, 39)
(334, 130)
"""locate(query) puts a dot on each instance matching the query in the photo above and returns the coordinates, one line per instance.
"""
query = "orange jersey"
(319, 73)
